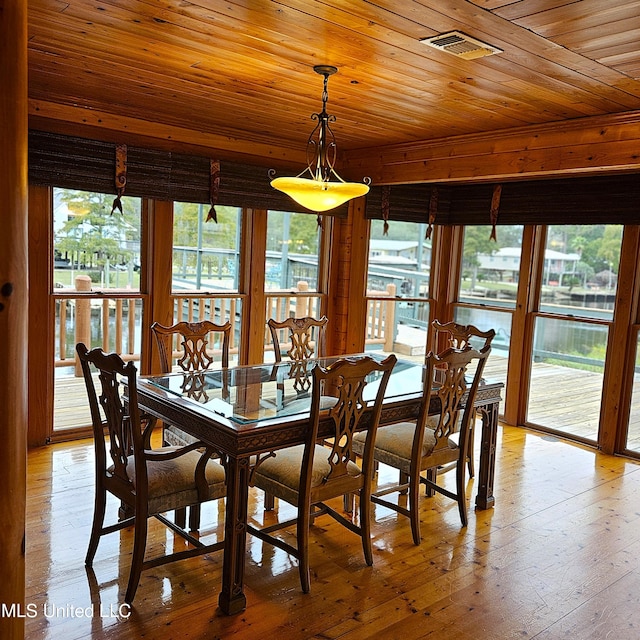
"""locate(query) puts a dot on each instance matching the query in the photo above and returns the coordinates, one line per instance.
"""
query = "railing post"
(389, 318)
(302, 302)
(83, 318)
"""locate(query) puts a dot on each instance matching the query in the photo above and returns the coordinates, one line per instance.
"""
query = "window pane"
(581, 270)
(205, 254)
(88, 240)
(490, 270)
(292, 251)
(397, 326)
(218, 309)
(113, 324)
(633, 435)
(567, 375)
(500, 321)
(400, 262)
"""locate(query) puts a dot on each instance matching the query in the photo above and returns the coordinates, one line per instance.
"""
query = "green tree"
(91, 235)
(477, 241)
(303, 234)
(609, 249)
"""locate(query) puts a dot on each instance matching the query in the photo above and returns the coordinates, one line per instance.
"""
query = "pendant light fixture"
(319, 188)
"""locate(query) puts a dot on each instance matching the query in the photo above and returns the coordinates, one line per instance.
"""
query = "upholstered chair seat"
(280, 475)
(170, 483)
(393, 446)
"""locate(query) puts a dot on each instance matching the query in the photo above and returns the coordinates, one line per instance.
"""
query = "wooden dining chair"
(462, 336)
(308, 475)
(194, 350)
(306, 337)
(148, 482)
(415, 447)
(191, 345)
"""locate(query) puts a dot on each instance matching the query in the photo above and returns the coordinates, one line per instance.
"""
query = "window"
(293, 241)
(398, 288)
(490, 270)
(90, 240)
(633, 433)
(572, 328)
(488, 288)
(205, 254)
(96, 276)
(206, 268)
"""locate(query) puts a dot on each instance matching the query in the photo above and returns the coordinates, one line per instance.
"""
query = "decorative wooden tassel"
(214, 189)
(495, 207)
(433, 210)
(121, 176)
(386, 192)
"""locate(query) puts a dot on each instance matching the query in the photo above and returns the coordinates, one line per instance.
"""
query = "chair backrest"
(460, 336)
(346, 380)
(306, 335)
(116, 424)
(445, 376)
(193, 339)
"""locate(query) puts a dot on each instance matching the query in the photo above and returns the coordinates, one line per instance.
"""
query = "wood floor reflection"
(558, 557)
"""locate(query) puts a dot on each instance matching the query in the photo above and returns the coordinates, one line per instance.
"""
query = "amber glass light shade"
(319, 195)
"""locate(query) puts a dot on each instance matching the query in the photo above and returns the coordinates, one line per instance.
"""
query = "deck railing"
(99, 319)
(112, 319)
(217, 308)
(381, 306)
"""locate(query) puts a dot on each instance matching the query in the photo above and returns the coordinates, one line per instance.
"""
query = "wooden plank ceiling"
(236, 75)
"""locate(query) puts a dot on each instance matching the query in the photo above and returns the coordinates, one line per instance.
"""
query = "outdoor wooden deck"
(549, 404)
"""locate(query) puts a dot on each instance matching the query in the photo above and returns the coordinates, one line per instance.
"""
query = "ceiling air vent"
(461, 45)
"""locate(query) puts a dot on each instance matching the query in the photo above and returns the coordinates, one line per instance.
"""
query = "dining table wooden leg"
(486, 473)
(232, 599)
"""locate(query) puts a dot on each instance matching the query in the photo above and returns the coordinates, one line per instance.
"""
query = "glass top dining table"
(248, 410)
(262, 393)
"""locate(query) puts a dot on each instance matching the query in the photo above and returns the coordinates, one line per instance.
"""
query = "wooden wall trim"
(14, 311)
(100, 125)
(582, 146)
(444, 284)
(156, 261)
(346, 304)
(516, 391)
(41, 321)
(252, 279)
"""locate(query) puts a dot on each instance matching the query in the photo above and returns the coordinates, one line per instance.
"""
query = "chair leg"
(462, 497)
(181, 517)
(194, 517)
(414, 508)
(96, 528)
(365, 528)
(269, 501)
(137, 557)
(470, 445)
(403, 479)
(432, 475)
(302, 532)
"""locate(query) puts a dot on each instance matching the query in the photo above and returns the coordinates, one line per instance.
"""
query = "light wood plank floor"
(558, 557)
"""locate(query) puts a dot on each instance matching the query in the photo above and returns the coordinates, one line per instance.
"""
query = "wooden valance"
(88, 165)
(611, 199)
(78, 163)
